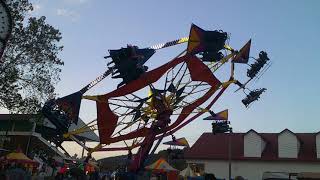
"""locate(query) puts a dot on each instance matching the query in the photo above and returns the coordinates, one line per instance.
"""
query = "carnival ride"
(149, 105)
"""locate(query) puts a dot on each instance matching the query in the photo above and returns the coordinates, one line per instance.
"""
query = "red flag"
(243, 55)
(195, 44)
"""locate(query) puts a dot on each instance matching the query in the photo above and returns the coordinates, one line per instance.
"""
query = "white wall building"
(255, 153)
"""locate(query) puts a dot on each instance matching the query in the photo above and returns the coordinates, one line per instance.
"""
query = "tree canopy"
(30, 65)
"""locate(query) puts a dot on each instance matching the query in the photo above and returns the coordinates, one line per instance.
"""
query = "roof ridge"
(214, 147)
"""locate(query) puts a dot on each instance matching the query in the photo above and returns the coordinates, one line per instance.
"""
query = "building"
(32, 133)
(252, 154)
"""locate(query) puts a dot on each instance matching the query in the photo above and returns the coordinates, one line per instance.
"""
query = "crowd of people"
(21, 172)
(15, 172)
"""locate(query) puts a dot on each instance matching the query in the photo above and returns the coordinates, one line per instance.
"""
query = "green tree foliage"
(30, 66)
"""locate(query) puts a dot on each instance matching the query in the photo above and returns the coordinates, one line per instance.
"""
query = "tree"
(30, 65)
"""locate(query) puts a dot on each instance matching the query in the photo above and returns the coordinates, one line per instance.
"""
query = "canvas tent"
(160, 165)
(163, 167)
(19, 158)
(187, 172)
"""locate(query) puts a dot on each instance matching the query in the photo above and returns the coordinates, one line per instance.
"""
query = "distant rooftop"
(215, 147)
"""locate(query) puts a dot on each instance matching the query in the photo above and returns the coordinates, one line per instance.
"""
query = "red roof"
(215, 147)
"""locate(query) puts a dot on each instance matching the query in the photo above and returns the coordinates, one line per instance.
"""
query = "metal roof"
(87, 136)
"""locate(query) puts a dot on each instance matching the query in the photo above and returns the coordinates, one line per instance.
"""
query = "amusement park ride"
(149, 105)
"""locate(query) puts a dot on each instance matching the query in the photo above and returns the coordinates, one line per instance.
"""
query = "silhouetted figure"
(257, 66)
(210, 176)
(253, 96)
(238, 178)
(128, 63)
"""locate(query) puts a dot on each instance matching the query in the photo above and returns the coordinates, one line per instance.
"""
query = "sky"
(287, 29)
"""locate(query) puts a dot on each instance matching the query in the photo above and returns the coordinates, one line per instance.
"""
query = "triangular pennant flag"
(195, 37)
(205, 41)
(243, 55)
(71, 105)
(145, 53)
(223, 115)
(178, 142)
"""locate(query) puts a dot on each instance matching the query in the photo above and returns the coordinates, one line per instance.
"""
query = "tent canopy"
(187, 172)
(19, 157)
(161, 165)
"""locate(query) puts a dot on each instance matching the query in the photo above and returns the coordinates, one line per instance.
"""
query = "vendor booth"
(162, 168)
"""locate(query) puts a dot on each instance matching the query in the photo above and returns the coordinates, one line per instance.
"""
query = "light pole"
(229, 151)
(223, 127)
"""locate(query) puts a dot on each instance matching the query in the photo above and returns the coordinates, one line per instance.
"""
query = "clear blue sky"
(287, 29)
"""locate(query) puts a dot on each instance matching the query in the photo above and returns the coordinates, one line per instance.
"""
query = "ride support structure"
(179, 92)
